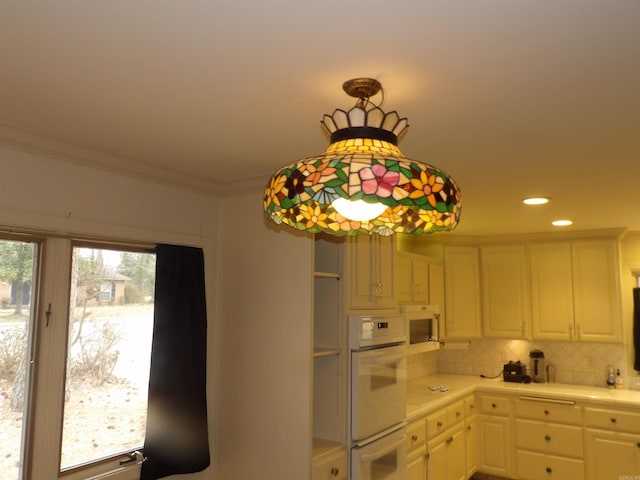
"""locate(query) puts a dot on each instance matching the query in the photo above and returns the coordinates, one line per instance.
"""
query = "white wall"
(43, 194)
(264, 410)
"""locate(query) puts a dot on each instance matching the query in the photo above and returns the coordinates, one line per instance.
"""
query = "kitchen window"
(82, 360)
(82, 364)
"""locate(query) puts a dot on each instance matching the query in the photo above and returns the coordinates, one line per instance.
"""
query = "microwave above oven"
(423, 327)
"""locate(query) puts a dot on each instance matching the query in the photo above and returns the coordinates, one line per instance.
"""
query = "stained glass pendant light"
(362, 183)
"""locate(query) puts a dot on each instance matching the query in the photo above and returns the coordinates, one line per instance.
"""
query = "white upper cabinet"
(596, 291)
(412, 278)
(462, 291)
(371, 272)
(505, 291)
(575, 290)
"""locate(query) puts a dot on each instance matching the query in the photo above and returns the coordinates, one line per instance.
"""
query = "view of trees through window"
(110, 325)
(17, 266)
(110, 329)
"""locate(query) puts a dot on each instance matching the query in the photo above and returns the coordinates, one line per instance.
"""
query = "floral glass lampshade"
(363, 167)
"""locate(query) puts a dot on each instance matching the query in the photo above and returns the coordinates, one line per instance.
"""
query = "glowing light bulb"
(358, 209)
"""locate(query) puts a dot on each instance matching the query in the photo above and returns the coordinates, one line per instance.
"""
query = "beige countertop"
(421, 400)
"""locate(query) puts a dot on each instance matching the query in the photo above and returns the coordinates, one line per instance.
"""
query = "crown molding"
(30, 142)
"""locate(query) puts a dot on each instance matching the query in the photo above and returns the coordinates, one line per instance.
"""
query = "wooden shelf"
(324, 447)
(325, 352)
(326, 275)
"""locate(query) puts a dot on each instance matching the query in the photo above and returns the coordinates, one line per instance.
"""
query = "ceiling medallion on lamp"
(362, 183)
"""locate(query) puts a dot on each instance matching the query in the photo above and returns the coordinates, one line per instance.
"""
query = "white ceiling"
(511, 97)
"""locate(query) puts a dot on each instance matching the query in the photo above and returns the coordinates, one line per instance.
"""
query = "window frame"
(47, 383)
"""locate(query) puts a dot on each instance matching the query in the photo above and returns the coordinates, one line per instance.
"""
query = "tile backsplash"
(575, 362)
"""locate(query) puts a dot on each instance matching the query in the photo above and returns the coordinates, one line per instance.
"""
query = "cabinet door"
(596, 284)
(371, 272)
(384, 259)
(471, 446)
(436, 286)
(462, 291)
(332, 468)
(612, 455)
(437, 459)
(551, 290)
(505, 291)
(456, 454)
(494, 446)
(361, 271)
(404, 278)
(417, 465)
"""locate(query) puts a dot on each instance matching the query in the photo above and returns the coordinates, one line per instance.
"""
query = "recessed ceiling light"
(561, 223)
(536, 201)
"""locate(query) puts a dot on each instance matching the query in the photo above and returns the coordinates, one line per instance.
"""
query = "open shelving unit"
(329, 348)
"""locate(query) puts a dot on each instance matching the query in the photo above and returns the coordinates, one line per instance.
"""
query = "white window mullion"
(53, 310)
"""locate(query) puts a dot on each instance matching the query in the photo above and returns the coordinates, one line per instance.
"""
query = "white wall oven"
(378, 381)
(423, 327)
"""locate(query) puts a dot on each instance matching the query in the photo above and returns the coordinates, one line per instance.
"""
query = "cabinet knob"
(335, 471)
(548, 470)
(546, 412)
(547, 438)
(439, 424)
(493, 405)
(458, 414)
(414, 438)
(613, 420)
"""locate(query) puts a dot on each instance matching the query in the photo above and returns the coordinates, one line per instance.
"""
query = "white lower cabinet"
(446, 443)
(416, 451)
(331, 466)
(494, 435)
(446, 455)
(612, 439)
(471, 434)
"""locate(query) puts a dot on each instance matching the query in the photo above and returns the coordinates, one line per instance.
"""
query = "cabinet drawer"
(550, 438)
(551, 411)
(455, 413)
(494, 405)
(617, 420)
(470, 405)
(416, 434)
(436, 423)
(537, 466)
(333, 468)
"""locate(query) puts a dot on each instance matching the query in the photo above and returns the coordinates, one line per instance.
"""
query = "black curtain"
(636, 328)
(177, 439)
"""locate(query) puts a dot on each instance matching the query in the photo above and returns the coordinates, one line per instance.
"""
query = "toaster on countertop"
(515, 372)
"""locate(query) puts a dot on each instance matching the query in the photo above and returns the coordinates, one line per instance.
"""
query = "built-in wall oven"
(378, 381)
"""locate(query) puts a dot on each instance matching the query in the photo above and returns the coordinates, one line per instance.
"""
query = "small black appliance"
(515, 372)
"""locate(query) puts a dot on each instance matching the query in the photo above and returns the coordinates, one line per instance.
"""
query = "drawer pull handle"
(548, 470)
(547, 438)
(334, 471)
(439, 424)
(414, 438)
(458, 414)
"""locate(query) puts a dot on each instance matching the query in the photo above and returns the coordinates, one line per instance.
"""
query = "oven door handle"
(382, 452)
(383, 359)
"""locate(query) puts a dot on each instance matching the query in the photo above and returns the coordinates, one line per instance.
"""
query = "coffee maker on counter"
(537, 369)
